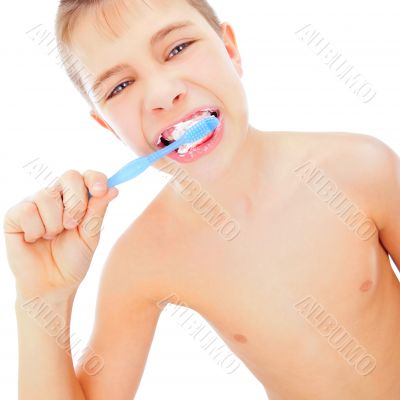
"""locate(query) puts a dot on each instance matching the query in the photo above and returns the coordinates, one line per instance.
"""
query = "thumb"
(91, 225)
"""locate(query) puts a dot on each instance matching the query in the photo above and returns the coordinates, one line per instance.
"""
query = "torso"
(295, 256)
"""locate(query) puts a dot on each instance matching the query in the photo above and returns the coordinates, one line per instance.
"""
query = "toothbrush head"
(193, 134)
(199, 130)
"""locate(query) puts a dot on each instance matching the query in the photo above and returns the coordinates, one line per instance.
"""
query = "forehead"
(100, 35)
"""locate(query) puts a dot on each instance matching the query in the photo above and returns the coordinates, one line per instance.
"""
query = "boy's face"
(160, 85)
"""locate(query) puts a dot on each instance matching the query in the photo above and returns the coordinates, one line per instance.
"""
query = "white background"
(288, 87)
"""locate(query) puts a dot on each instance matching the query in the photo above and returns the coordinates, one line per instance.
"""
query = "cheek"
(124, 122)
(211, 68)
(133, 137)
(214, 68)
(217, 73)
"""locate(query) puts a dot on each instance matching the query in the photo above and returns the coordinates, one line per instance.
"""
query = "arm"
(49, 246)
(382, 167)
(41, 359)
(126, 319)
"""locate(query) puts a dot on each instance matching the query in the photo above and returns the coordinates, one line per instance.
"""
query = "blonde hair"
(68, 13)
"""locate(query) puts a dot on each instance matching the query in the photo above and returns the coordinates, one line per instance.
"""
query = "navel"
(240, 338)
(366, 286)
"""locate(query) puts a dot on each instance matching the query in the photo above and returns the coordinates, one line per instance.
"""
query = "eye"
(119, 89)
(182, 46)
(125, 84)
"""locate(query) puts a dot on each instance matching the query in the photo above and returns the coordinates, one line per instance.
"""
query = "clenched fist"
(51, 237)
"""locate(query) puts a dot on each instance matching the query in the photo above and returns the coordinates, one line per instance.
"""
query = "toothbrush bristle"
(201, 129)
(193, 134)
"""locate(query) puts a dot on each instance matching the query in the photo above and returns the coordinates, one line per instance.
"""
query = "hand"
(51, 237)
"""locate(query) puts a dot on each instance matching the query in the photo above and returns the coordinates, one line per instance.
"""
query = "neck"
(236, 186)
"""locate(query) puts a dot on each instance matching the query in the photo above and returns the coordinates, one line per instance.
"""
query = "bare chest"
(297, 265)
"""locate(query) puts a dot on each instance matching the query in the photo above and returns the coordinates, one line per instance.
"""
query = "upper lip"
(185, 118)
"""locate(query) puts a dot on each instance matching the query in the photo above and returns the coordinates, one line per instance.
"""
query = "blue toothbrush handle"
(129, 171)
(136, 167)
(139, 165)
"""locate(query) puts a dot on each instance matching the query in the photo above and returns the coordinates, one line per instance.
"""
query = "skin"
(291, 246)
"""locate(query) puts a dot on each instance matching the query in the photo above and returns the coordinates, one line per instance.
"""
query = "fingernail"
(99, 186)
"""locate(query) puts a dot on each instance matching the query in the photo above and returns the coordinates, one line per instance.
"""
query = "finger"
(75, 198)
(50, 207)
(24, 218)
(91, 225)
(96, 182)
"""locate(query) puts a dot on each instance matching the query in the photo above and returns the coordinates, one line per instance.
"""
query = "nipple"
(366, 286)
(240, 338)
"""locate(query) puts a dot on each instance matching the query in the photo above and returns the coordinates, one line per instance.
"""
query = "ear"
(231, 46)
(103, 123)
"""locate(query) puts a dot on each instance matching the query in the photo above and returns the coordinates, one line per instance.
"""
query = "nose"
(164, 94)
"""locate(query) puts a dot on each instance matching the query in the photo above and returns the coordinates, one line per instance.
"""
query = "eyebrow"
(157, 37)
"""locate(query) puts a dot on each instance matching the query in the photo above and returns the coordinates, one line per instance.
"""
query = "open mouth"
(174, 133)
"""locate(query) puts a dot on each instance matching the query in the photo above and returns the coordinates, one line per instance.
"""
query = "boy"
(304, 294)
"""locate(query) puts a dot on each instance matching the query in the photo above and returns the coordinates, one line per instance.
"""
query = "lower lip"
(202, 149)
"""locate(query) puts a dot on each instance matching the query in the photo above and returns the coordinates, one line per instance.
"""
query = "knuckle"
(9, 213)
(29, 239)
(28, 209)
(51, 231)
(33, 236)
(59, 229)
(37, 234)
(41, 196)
(88, 173)
(53, 191)
(71, 174)
(9, 218)
(53, 227)
(44, 199)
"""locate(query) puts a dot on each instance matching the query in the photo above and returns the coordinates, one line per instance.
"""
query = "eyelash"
(115, 92)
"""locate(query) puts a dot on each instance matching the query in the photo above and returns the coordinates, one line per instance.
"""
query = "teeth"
(175, 132)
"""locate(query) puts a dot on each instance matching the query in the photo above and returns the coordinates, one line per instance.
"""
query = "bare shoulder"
(137, 259)
(362, 166)
(355, 154)
(332, 144)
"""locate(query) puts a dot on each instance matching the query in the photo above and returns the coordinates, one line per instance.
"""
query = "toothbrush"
(139, 165)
